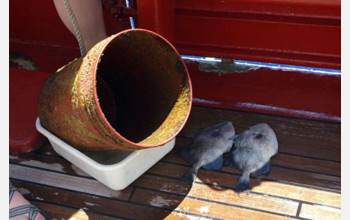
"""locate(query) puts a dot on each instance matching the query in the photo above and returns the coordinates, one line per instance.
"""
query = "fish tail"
(243, 184)
(188, 177)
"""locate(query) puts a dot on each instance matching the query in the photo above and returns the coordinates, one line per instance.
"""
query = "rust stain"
(69, 105)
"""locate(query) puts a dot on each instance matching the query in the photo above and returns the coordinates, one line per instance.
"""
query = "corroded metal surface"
(151, 88)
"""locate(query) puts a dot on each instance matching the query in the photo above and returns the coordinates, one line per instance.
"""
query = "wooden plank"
(308, 164)
(277, 173)
(254, 201)
(319, 212)
(264, 188)
(288, 161)
(295, 136)
(199, 207)
(59, 180)
(58, 164)
(95, 204)
(59, 212)
(226, 180)
(285, 160)
(229, 197)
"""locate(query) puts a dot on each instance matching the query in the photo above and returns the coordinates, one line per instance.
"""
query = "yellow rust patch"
(174, 121)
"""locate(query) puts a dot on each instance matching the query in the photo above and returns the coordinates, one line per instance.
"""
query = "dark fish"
(207, 149)
(251, 153)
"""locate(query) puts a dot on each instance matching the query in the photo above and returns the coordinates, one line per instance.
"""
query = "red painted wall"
(292, 32)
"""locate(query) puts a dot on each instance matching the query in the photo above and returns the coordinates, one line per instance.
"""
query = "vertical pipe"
(157, 16)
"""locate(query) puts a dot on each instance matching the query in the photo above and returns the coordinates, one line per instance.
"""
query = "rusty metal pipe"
(131, 91)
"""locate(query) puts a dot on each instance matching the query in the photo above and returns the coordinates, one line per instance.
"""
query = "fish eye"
(258, 136)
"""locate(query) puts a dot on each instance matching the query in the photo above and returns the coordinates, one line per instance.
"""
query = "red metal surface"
(288, 93)
(148, 81)
(301, 32)
(37, 21)
(298, 32)
(281, 31)
(157, 16)
(24, 93)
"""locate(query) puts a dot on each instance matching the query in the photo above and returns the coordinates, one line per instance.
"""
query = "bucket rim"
(106, 122)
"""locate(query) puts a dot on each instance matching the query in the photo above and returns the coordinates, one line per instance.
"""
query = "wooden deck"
(304, 182)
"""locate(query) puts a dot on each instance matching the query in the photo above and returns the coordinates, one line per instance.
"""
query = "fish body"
(207, 149)
(251, 153)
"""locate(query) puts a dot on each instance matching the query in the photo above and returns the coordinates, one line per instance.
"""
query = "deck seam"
(131, 193)
(299, 209)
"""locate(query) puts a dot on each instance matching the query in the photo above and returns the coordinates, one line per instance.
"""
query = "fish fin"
(265, 170)
(243, 184)
(234, 137)
(188, 177)
(228, 161)
(215, 165)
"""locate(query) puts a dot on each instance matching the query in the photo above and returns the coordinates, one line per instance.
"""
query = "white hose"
(76, 27)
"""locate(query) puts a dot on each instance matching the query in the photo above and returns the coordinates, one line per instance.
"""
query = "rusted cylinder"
(131, 91)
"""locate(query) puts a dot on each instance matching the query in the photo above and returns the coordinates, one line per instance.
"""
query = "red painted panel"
(48, 58)
(281, 31)
(298, 32)
(157, 16)
(288, 93)
(24, 94)
(37, 20)
(303, 33)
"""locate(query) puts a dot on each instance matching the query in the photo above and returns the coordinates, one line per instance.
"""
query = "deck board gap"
(132, 193)
(299, 209)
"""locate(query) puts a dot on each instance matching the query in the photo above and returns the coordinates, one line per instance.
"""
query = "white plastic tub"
(128, 165)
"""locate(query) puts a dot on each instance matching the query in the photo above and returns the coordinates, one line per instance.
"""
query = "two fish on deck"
(249, 151)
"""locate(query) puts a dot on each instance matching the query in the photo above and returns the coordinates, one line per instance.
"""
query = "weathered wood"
(229, 197)
(319, 212)
(277, 173)
(96, 204)
(63, 181)
(287, 161)
(265, 188)
(227, 180)
(199, 207)
(59, 212)
(296, 136)
(306, 172)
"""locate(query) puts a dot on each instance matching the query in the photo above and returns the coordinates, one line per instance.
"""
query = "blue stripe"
(262, 64)
(132, 23)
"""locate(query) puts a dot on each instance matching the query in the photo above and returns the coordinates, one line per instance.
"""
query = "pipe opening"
(143, 88)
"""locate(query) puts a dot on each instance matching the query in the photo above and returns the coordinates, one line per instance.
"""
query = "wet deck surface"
(304, 181)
